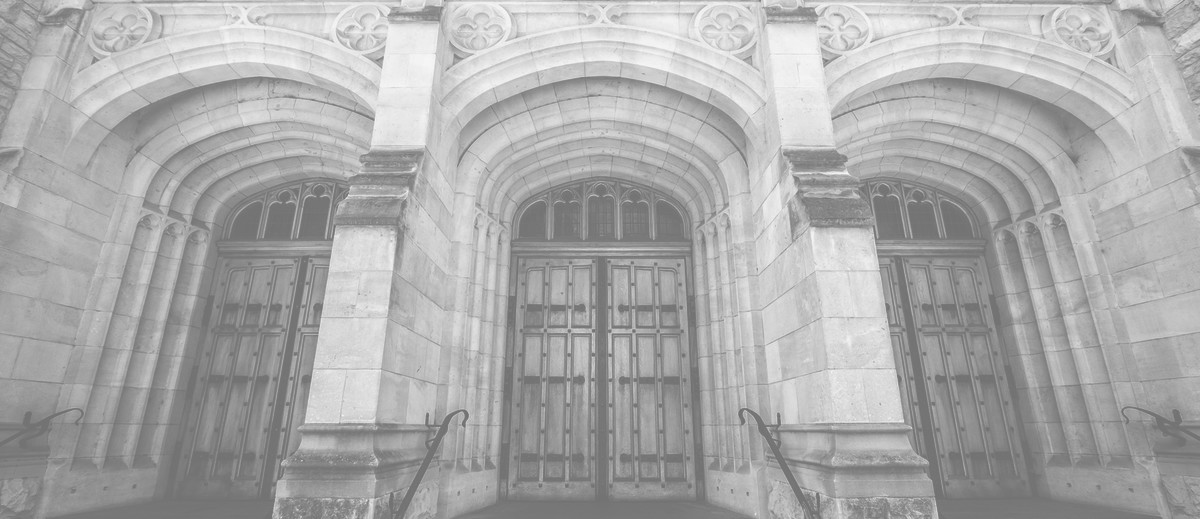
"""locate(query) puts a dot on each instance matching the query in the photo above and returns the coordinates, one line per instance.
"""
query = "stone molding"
(379, 194)
(826, 196)
(428, 13)
(848, 460)
(780, 13)
(846, 27)
(351, 470)
(812, 160)
(828, 201)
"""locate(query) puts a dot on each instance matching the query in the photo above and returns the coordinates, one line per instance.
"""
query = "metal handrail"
(431, 444)
(810, 511)
(41, 426)
(1172, 427)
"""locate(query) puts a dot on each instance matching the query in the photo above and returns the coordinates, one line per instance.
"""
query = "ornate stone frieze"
(842, 28)
(363, 29)
(121, 27)
(728, 28)
(472, 28)
(845, 28)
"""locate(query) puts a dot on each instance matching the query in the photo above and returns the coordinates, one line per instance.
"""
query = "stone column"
(831, 372)
(374, 374)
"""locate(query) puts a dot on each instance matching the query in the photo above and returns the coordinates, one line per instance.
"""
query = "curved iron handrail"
(432, 444)
(810, 511)
(1172, 427)
(41, 426)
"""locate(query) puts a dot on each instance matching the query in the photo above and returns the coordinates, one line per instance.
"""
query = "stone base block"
(852, 471)
(356, 472)
(782, 504)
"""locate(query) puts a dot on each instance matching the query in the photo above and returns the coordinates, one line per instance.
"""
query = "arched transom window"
(906, 211)
(601, 210)
(298, 211)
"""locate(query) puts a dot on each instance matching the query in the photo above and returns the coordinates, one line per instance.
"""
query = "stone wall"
(18, 30)
(1181, 21)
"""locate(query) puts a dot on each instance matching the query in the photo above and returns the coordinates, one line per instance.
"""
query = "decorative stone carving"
(1081, 27)
(362, 28)
(149, 221)
(842, 28)
(603, 14)
(198, 237)
(245, 15)
(121, 27)
(476, 27)
(727, 28)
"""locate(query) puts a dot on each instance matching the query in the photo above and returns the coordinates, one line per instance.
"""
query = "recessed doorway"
(601, 369)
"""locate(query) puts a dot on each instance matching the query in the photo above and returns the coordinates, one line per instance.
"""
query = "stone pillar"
(825, 325)
(374, 374)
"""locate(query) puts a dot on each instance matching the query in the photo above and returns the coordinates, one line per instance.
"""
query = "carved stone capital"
(812, 160)
(828, 201)
(401, 160)
(379, 194)
(782, 13)
(427, 13)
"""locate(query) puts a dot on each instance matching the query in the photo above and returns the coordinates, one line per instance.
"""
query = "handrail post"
(432, 445)
(1172, 427)
(41, 426)
(810, 511)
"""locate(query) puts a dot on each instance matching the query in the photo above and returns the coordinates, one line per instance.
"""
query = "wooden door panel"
(650, 417)
(553, 435)
(238, 429)
(974, 430)
(647, 432)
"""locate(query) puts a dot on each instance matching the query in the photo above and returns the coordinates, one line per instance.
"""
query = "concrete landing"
(964, 509)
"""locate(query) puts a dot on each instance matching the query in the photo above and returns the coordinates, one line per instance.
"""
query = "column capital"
(379, 193)
(826, 196)
(425, 13)
(805, 159)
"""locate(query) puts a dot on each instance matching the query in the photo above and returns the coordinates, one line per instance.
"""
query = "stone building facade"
(260, 246)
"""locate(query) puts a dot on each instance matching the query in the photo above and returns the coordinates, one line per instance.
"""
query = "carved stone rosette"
(726, 27)
(841, 29)
(362, 28)
(1081, 27)
(472, 28)
(121, 27)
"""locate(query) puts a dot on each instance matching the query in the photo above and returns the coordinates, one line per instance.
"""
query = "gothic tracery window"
(905, 211)
(299, 211)
(600, 210)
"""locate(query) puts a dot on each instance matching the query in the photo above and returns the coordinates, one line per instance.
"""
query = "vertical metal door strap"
(810, 511)
(432, 445)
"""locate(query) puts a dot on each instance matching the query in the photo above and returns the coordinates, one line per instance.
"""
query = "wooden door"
(953, 376)
(251, 383)
(553, 441)
(649, 387)
(631, 360)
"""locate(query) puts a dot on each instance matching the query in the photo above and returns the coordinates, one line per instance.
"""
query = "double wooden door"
(602, 378)
(953, 378)
(250, 386)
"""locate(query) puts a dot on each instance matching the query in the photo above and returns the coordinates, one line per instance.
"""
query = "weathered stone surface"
(19, 497)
